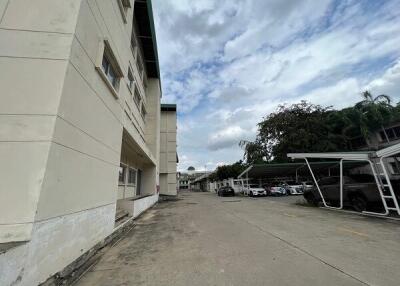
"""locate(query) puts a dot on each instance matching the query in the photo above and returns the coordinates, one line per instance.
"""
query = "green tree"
(306, 127)
(300, 127)
(227, 171)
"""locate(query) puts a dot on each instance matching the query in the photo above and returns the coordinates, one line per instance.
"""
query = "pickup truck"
(359, 192)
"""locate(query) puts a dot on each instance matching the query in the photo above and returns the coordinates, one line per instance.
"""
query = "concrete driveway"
(202, 239)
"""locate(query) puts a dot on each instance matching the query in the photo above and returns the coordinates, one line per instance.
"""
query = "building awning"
(147, 35)
(168, 107)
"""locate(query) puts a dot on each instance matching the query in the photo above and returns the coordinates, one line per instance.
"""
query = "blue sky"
(227, 64)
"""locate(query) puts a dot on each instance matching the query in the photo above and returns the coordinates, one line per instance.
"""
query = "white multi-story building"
(168, 155)
(79, 128)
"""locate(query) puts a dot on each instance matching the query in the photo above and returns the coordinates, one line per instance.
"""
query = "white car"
(254, 190)
(276, 191)
(307, 185)
(293, 188)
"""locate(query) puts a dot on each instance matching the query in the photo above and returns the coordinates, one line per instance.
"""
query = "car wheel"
(359, 203)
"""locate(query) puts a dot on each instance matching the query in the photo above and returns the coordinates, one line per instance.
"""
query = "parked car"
(292, 187)
(226, 191)
(359, 192)
(275, 191)
(254, 190)
(307, 185)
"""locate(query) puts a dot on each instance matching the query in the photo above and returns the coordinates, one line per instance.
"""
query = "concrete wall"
(34, 53)
(168, 131)
(61, 130)
(54, 244)
(143, 204)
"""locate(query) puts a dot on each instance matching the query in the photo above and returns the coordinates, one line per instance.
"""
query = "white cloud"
(227, 137)
(228, 63)
(388, 83)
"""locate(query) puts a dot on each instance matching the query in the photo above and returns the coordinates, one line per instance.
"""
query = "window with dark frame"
(109, 70)
(136, 97)
(122, 172)
(392, 133)
(131, 176)
(133, 42)
(124, 6)
(131, 80)
(395, 168)
(140, 66)
(143, 111)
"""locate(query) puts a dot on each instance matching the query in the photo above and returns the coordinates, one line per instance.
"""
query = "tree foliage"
(306, 127)
(227, 171)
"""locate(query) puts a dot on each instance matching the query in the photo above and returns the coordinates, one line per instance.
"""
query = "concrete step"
(121, 214)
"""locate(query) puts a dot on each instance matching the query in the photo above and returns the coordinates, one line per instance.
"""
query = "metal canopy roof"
(289, 169)
(389, 151)
(386, 152)
(333, 155)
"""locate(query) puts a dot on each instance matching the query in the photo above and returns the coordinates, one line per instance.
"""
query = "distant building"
(202, 182)
(379, 139)
(184, 181)
(187, 180)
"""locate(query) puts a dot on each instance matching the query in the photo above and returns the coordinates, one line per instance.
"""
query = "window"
(140, 66)
(124, 6)
(122, 172)
(108, 67)
(136, 97)
(392, 133)
(109, 71)
(131, 80)
(395, 168)
(139, 183)
(143, 111)
(133, 44)
(132, 176)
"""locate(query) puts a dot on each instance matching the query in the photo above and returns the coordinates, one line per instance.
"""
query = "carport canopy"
(287, 169)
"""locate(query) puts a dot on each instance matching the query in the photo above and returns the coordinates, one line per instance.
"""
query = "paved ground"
(203, 239)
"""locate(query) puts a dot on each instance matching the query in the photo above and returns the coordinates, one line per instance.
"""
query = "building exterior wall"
(62, 128)
(380, 139)
(168, 156)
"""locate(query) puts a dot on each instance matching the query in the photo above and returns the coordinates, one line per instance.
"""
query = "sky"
(227, 64)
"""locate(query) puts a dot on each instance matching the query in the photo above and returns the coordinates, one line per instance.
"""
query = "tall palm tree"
(374, 112)
(369, 99)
